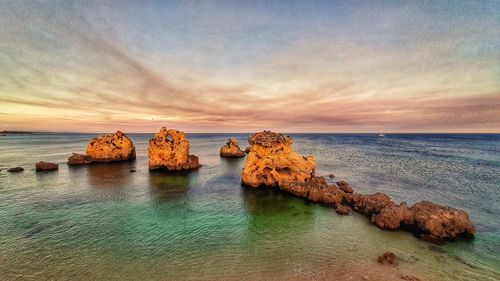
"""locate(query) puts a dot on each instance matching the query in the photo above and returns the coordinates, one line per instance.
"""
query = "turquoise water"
(102, 222)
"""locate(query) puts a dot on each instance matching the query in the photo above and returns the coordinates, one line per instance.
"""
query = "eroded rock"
(169, 149)
(271, 161)
(43, 166)
(110, 148)
(438, 222)
(231, 149)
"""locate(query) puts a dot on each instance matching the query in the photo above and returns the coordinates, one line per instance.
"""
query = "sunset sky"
(242, 66)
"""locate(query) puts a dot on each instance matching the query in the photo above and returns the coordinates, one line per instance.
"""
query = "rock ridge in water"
(169, 150)
(272, 161)
(231, 149)
(427, 220)
(106, 148)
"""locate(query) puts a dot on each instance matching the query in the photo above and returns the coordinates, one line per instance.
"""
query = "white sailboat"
(381, 134)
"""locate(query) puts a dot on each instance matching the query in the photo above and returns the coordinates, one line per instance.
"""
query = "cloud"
(80, 68)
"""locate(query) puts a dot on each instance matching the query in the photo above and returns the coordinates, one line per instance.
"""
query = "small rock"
(231, 149)
(79, 159)
(15, 170)
(133, 170)
(43, 166)
(331, 176)
(387, 257)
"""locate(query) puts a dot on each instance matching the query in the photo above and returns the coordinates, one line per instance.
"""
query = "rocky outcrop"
(169, 150)
(79, 159)
(271, 161)
(15, 170)
(110, 148)
(105, 148)
(437, 222)
(43, 166)
(231, 149)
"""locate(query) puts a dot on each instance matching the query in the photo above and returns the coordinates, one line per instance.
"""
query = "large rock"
(437, 222)
(271, 161)
(79, 159)
(43, 166)
(169, 149)
(111, 147)
(231, 149)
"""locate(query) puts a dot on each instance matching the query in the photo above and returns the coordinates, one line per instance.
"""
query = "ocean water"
(102, 222)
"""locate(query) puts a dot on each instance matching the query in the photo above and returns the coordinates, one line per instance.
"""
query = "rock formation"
(111, 147)
(106, 148)
(169, 149)
(437, 222)
(79, 159)
(231, 149)
(43, 166)
(271, 161)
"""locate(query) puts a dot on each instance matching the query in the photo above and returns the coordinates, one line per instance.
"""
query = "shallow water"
(102, 222)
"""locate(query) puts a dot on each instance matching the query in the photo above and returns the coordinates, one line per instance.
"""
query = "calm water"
(101, 222)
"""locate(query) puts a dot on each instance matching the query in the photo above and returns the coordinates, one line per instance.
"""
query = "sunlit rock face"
(231, 149)
(111, 147)
(169, 149)
(271, 161)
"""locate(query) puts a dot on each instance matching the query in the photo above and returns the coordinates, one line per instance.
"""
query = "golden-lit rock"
(271, 161)
(110, 148)
(231, 149)
(169, 149)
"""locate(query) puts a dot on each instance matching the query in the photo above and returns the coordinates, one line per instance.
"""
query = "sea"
(104, 222)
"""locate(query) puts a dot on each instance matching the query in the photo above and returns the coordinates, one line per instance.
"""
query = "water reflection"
(165, 186)
(109, 175)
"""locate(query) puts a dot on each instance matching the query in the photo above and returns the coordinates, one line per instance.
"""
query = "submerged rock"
(271, 161)
(15, 170)
(387, 258)
(169, 149)
(231, 149)
(437, 222)
(79, 159)
(111, 147)
(43, 166)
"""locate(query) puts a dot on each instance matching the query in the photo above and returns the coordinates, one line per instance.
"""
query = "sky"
(245, 66)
